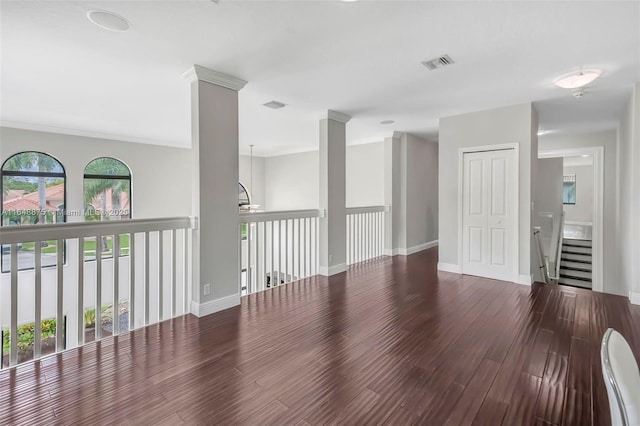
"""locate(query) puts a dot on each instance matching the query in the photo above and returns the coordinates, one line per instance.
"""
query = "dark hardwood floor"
(389, 342)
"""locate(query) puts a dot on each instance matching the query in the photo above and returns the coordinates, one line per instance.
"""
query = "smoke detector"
(439, 62)
(274, 105)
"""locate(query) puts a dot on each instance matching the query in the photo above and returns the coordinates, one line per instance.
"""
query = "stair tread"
(572, 257)
(574, 283)
(576, 249)
(577, 243)
(573, 273)
(573, 277)
(578, 266)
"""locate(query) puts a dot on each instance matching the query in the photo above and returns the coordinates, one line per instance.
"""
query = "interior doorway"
(576, 255)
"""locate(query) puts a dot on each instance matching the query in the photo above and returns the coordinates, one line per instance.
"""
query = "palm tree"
(38, 162)
(98, 186)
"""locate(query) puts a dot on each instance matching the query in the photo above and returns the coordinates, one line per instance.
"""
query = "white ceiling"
(62, 73)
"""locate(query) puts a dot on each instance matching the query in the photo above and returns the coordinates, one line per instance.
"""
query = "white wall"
(508, 125)
(257, 192)
(365, 175)
(548, 200)
(628, 228)
(291, 181)
(606, 139)
(421, 191)
(582, 210)
(161, 176)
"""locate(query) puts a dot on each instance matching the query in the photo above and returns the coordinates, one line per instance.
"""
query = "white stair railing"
(147, 282)
(277, 247)
(365, 233)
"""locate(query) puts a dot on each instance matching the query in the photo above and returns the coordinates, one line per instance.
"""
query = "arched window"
(107, 196)
(33, 192)
(107, 190)
(244, 201)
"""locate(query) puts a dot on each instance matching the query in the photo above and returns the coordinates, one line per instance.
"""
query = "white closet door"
(488, 218)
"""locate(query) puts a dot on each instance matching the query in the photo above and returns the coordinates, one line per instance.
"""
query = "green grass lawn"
(89, 246)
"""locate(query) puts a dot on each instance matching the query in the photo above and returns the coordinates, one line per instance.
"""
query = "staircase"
(575, 264)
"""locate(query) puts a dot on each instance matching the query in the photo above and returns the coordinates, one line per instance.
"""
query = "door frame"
(597, 220)
(516, 177)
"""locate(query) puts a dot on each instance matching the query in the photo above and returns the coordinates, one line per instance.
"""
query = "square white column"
(333, 226)
(216, 244)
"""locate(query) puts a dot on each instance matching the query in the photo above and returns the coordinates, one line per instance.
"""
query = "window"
(107, 196)
(569, 189)
(244, 202)
(33, 192)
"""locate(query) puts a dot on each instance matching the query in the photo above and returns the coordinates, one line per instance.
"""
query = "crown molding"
(201, 73)
(338, 116)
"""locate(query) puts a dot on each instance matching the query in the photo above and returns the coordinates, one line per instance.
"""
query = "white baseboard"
(213, 306)
(332, 270)
(524, 279)
(449, 267)
(634, 298)
(416, 249)
(391, 252)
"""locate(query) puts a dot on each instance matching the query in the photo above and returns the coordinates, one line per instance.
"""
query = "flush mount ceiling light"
(577, 79)
(274, 105)
(387, 122)
(108, 20)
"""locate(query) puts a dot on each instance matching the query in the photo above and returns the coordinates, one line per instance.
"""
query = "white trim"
(449, 267)
(292, 151)
(597, 251)
(247, 217)
(575, 222)
(198, 72)
(71, 230)
(213, 306)
(634, 298)
(332, 270)
(416, 249)
(85, 133)
(524, 279)
(391, 252)
(338, 116)
(368, 209)
(516, 200)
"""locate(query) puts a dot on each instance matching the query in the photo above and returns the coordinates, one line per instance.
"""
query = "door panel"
(498, 246)
(498, 186)
(476, 243)
(488, 219)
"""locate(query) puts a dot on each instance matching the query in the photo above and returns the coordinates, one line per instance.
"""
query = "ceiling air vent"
(435, 63)
(274, 105)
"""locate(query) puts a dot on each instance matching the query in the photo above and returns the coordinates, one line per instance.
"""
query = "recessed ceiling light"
(577, 79)
(108, 20)
(387, 122)
(274, 105)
